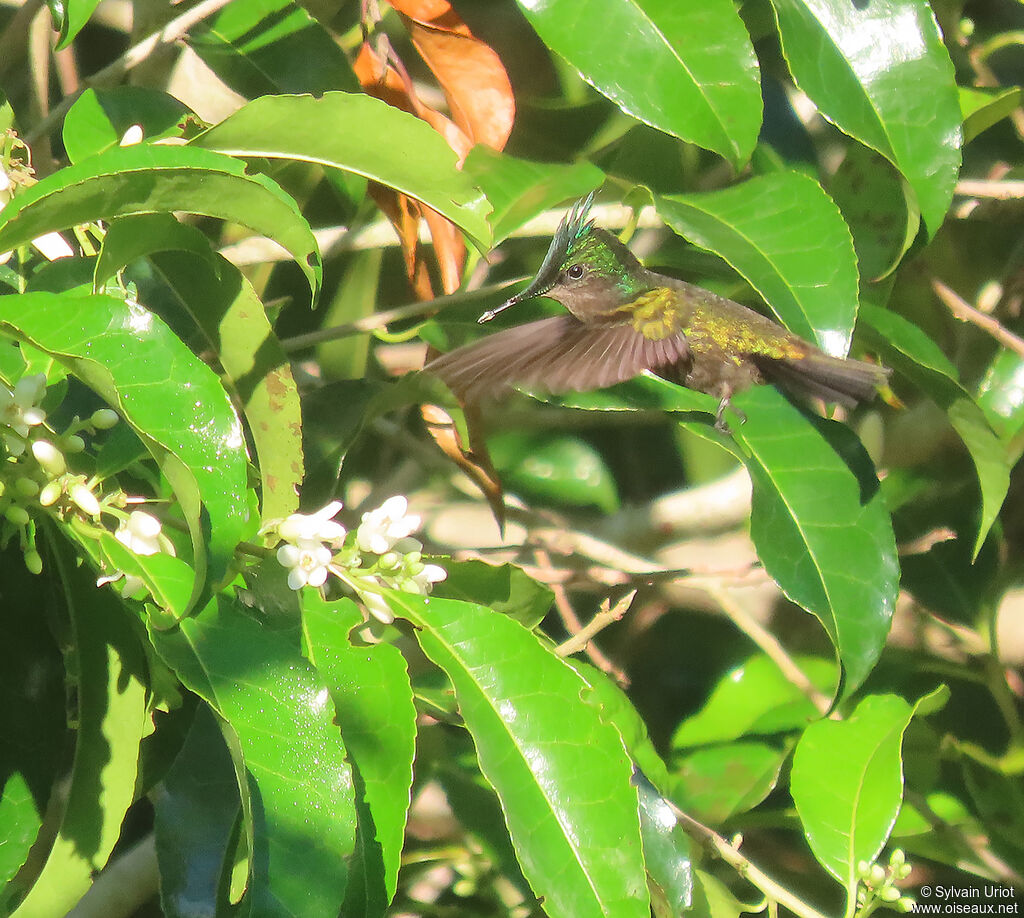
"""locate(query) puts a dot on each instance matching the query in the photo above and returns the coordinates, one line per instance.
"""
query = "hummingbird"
(623, 319)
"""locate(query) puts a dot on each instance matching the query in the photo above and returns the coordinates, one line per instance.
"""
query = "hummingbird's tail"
(834, 379)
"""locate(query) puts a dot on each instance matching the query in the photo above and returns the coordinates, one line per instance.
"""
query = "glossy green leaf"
(262, 47)
(820, 524)
(390, 147)
(231, 318)
(561, 773)
(847, 782)
(298, 794)
(130, 238)
(1001, 394)
(172, 399)
(70, 17)
(756, 699)
(506, 589)
(33, 715)
(835, 557)
(99, 118)
(981, 109)
(195, 809)
(686, 69)
(713, 899)
(370, 688)
(909, 350)
(616, 708)
(560, 469)
(880, 72)
(519, 189)
(233, 323)
(666, 852)
(788, 240)
(715, 783)
(154, 179)
(873, 199)
(112, 718)
(168, 579)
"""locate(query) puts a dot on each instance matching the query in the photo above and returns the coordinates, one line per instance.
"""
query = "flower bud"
(26, 487)
(74, 444)
(876, 876)
(889, 894)
(51, 493)
(85, 499)
(17, 515)
(33, 562)
(104, 418)
(49, 458)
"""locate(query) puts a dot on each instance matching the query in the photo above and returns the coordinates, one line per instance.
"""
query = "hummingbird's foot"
(720, 424)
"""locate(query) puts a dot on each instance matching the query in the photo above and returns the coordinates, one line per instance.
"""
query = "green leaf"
(715, 783)
(354, 299)
(981, 109)
(298, 795)
(70, 17)
(835, 557)
(786, 237)
(195, 810)
(873, 199)
(666, 853)
(234, 323)
(113, 717)
(99, 118)
(155, 179)
(519, 189)
(561, 469)
(370, 688)
(1001, 394)
(506, 589)
(171, 398)
(686, 69)
(262, 47)
(390, 147)
(909, 350)
(755, 698)
(847, 782)
(561, 773)
(880, 73)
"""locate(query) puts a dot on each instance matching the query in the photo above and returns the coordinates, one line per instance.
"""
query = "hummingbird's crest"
(573, 227)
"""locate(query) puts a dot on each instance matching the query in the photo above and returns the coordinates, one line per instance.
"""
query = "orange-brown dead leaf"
(474, 461)
(471, 74)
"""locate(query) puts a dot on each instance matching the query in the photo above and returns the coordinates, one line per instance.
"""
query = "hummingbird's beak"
(535, 289)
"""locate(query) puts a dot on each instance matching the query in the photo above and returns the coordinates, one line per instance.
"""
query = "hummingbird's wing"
(559, 354)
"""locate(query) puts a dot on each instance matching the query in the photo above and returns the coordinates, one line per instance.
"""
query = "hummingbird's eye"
(574, 272)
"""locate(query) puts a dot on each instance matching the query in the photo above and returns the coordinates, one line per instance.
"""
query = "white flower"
(85, 499)
(376, 604)
(140, 533)
(132, 136)
(19, 410)
(313, 527)
(383, 528)
(307, 561)
(50, 458)
(427, 577)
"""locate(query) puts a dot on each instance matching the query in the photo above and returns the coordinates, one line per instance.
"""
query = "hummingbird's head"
(586, 269)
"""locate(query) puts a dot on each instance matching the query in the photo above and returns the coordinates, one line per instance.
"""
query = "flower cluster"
(877, 886)
(380, 555)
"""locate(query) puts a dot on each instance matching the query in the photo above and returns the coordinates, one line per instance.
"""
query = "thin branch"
(749, 871)
(114, 72)
(965, 312)
(988, 188)
(599, 622)
(386, 316)
(766, 641)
